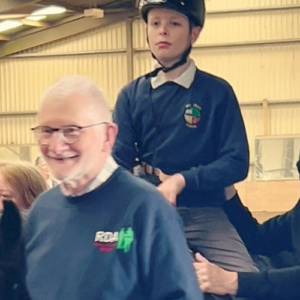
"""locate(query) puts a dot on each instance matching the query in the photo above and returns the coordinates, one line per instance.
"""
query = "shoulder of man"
(43, 199)
(149, 202)
(142, 191)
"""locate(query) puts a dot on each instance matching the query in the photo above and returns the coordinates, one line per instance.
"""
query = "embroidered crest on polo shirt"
(121, 240)
(192, 115)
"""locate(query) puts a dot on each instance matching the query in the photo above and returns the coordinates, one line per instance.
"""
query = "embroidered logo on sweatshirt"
(122, 240)
(192, 115)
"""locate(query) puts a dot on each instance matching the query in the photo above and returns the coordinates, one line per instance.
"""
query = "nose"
(56, 144)
(163, 29)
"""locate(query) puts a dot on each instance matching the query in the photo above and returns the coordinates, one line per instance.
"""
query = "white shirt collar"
(50, 183)
(185, 79)
(107, 171)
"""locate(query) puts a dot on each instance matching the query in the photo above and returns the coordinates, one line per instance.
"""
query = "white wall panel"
(16, 131)
(285, 119)
(250, 27)
(256, 73)
(23, 80)
(142, 63)
(253, 118)
(213, 5)
(139, 34)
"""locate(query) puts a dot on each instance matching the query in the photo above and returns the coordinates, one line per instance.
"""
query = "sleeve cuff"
(252, 285)
(190, 179)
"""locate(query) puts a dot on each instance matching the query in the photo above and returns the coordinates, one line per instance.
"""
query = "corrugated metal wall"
(245, 4)
(100, 54)
(24, 79)
(257, 51)
(16, 130)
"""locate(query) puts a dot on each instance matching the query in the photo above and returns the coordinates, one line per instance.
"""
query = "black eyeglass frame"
(60, 131)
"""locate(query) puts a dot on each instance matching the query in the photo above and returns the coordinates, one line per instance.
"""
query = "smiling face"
(169, 34)
(87, 156)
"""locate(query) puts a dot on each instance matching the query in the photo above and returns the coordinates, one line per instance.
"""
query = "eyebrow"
(68, 125)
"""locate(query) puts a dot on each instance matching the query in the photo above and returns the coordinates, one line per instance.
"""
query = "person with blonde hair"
(21, 183)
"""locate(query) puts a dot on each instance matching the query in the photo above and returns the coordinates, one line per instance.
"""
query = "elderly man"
(100, 234)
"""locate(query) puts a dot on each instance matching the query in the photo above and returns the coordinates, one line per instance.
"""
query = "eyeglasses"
(69, 134)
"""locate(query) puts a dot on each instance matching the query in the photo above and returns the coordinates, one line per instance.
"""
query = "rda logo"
(106, 241)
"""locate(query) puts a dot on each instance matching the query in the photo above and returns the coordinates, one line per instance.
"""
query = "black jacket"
(12, 279)
(278, 238)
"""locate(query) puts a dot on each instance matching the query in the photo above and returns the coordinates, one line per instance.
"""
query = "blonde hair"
(25, 179)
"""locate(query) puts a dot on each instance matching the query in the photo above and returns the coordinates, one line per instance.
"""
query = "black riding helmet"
(193, 9)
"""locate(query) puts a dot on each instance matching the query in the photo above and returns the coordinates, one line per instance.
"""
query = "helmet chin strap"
(179, 63)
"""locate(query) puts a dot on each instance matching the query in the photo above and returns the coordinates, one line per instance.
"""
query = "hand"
(171, 187)
(213, 279)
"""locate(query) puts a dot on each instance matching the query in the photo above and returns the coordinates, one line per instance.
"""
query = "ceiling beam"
(68, 6)
(63, 31)
(6, 5)
(12, 16)
(35, 23)
(58, 23)
(4, 38)
(94, 13)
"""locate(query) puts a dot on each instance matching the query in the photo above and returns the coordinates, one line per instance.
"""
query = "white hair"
(67, 86)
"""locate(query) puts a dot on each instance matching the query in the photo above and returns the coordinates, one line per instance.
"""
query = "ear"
(110, 137)
(195, 32)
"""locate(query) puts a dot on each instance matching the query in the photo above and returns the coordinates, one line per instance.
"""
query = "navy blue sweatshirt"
(119, 241)
(198, 132)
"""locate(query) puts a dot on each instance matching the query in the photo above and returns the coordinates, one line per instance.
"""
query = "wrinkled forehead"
(71, 110)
